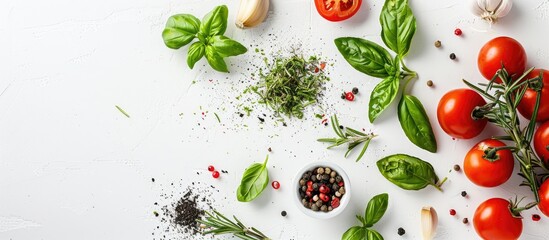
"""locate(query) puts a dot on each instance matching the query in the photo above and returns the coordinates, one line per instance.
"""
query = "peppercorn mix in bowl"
(322, 190)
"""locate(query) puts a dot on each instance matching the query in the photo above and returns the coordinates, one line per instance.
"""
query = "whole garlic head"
(491, 10)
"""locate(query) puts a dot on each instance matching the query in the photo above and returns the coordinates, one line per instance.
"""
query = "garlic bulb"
(251, 13)
(491, 10)
(429, 222)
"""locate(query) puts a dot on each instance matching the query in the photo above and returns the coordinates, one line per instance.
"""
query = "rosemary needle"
(217, 224)
(350, 136)
(122, 111)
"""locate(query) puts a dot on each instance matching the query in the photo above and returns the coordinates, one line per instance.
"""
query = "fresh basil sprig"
(254, 181)
(409, 173)
(374, 211)
(398, 26)
(182, 29)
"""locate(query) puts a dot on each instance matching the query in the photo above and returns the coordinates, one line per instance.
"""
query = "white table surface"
(73, 167)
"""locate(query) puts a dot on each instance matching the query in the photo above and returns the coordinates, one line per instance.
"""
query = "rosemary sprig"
(504, 98)
(218, 224)
(348, 135)
(290, 85)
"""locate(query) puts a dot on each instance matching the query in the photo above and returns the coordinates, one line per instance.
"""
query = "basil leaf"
(215, 60)
(226, 47)
(375, 209)
(365, 56)
(215, 22)
(374, 235)
(254, 181)
(398, 26)
(415, 123)
(381, 97)
(407, 172)
(196, 52)
(180, 30)
(355, 233)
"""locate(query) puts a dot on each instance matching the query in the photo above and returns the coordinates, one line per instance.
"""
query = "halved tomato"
(337, 10)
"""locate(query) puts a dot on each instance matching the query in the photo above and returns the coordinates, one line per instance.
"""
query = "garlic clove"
(491, 10)
(251, 13)
(504, 8)
(429, 222)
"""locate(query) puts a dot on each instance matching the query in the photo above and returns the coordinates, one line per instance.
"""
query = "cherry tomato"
(528, 101)
(541, 142)
(501, 50)
(476, 166)
(493, 220)
(454, 113)
(337, 10)
(543, 192)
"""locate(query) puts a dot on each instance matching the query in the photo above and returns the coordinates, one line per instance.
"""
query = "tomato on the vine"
(337, 10)
(543, 192)
(528, 101)
(541, 142)
(494, 220)
(485, 170)
(454, 113)
(498, 51)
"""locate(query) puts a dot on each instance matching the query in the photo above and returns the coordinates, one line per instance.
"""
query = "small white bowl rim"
(344, 200)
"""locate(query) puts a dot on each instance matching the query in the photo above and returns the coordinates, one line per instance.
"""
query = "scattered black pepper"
(401, 231)
(326, 124)
(270, 150)
(452, 56)
(463, 193)
(241, 114)
(283, 213)
(457, 168)
(438, 44)
(355, 90)
(156, 214)
(430, 83)
(261, 119)
(465, 221)
(152, 179)
(343, 96)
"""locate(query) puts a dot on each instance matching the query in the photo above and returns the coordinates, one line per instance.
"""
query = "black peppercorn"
(452, 56)
(343, 96)
(457, 168)
(401, 231)
(283, 213)
(463, 193)
(465, 221)
(355, 90)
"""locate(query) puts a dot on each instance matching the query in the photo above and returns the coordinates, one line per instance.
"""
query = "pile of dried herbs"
(291, 84)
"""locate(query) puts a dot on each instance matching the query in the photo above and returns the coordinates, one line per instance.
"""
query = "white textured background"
(73, 167)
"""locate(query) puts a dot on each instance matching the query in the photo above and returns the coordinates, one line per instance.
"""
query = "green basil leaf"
(398, 26)
(407, 172)
(196, 52)
(215, 22)
(254, 181)
(355, 233)
(215, 60)
(381, 97)
(226, 47)
(376, 208)
(180, 30)
(415, 123)
(373, 235)
(365, 56)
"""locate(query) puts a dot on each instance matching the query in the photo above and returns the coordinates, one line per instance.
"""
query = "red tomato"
(476, 166)
(543, 192)
(541, 142)
(501, 50)
(337, 10)
(528, 102)
(493, 220)
(454, 113)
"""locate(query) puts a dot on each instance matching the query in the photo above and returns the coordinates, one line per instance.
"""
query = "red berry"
(536, 217)
(323, 189)
(309, 194)
(324, 197)
(211, 168)
(458, 32)
(275, 184)
(340, 184)
(215, 174)
(309, 183)
(452, 212)
(335, 203)
(349, 96)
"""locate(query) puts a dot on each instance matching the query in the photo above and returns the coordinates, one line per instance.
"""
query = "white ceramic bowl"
(344, 200)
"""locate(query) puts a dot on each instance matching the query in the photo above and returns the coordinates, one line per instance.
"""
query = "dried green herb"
(122, 111)
(291, 84)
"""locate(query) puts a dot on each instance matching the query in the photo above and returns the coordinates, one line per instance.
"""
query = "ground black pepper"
(401, 231)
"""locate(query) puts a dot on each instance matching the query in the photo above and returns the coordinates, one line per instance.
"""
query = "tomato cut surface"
(337, 10)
